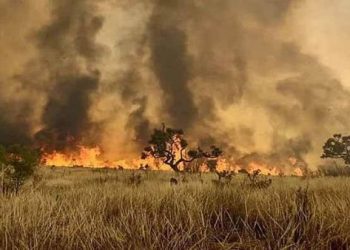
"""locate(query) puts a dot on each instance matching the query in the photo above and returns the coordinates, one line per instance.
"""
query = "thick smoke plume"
(69, 52)
(241, 74)
(171, 62)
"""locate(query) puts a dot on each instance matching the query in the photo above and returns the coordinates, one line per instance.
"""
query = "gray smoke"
(106, 72)
(69, 51)
(171, 62)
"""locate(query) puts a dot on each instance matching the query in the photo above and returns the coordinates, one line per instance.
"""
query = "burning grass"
(74, 209)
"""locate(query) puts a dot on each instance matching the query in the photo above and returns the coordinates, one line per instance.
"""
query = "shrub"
(256, 181)
(17, 164)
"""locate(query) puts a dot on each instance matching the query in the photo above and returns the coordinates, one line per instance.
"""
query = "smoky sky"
(171, 62)
(240, 74)
(68, 38)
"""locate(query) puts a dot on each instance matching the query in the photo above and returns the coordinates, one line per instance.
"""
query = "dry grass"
(86, 209)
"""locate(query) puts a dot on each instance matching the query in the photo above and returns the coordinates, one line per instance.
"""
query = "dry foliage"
(135, 179)
(257, 181)
(77, 212)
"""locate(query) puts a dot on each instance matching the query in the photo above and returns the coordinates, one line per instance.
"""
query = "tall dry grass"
(85, 209)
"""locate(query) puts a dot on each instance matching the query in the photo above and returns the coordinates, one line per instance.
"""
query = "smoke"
(270, 97)
(171, 62)
(241, 74)
(65, 115)
(138, 120)
(19, 107)
(69, 53)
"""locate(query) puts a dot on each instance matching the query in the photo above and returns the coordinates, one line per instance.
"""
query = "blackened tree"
(337, 147)
(169, 145)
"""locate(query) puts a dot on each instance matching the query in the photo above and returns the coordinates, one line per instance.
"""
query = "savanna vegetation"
(122, 209)
(17, 164)
(81, 208)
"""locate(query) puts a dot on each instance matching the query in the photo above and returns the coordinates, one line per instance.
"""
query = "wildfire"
(84, 156)
(93, 157)
(224, 164)
(274, 170)
(298, 172)
(264, 168)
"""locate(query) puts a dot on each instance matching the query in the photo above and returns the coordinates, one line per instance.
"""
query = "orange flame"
(84, 156)
(264, 168)
(93, 157)
(274, 170)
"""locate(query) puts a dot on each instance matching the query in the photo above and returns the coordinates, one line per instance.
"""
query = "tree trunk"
(175, 168)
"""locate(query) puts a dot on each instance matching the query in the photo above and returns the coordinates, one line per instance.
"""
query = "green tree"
(169, 145)
(337, 147)
(18, 163)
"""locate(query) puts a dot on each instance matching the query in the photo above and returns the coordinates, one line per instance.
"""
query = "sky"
(267, 80)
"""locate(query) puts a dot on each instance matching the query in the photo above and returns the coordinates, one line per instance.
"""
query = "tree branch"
(182, 159)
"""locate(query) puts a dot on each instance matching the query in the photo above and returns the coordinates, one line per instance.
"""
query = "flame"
(224, 164)
(298, 172)
(93, 157)
(84, 156)
(264, 168)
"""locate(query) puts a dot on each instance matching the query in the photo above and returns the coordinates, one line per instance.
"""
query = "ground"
(102, 209)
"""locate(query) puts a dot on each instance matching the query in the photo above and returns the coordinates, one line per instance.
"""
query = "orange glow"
(93, 157)
(274, 170)
(264, 168)
(298, 172)
(224, 164)
(293, 160)
(84, 156)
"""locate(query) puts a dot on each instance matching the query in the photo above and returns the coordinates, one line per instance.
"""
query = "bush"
(17, 164)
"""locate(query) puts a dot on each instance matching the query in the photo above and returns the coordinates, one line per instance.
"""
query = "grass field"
(100, 209)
